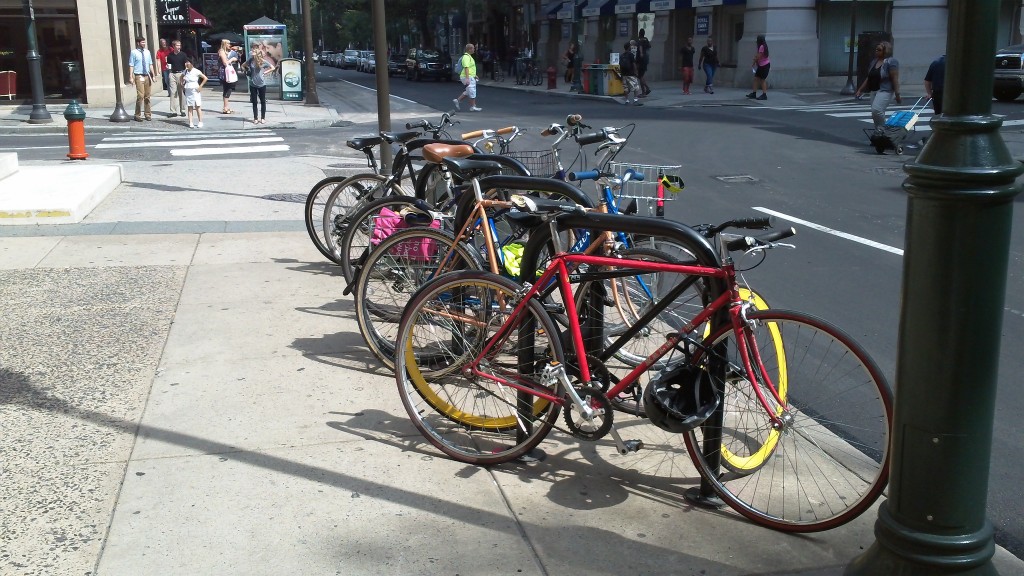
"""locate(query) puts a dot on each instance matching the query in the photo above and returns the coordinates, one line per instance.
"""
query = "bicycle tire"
(350, 194)
(432, 186)
(316, 201)
(396, 268)
(354, 246)
(830, 461)
(536, 78)
(475, 420)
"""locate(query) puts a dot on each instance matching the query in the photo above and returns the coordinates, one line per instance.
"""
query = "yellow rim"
(755, 460)
(447, 409)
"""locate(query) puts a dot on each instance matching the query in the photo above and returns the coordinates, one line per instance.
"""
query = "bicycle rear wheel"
(469, 416)
(316, 202)
(396, 268)
(828, 462)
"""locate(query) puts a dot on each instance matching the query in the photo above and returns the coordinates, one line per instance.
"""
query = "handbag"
(230, 75)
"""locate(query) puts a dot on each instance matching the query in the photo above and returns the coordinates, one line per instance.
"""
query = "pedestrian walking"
(161, 63)
(469, 79)
(643, 59)
(228, 75)
(708, 62)
(630, 79)
(935, 81)
(761, 65)
(570, 62)
(176, 63)
(883, 80)
(257, 67)
(142, 73)
(687, 53)
(193, 81)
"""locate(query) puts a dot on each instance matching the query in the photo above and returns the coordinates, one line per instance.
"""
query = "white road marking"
(203, 142)
(831, 231)
(220, 151)
(189, 135)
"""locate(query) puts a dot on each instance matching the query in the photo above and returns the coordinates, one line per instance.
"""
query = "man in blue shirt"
(142, 73)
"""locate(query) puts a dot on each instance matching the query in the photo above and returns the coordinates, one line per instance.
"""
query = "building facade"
(810, 40)
(83, 45)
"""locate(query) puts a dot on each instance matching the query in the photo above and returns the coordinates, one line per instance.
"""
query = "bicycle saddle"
(436, 153)
(361, 143)
(467, 169)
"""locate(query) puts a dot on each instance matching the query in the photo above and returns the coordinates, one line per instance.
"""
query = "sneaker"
(752, 95)
(138, 118)
(711, 90)
(475, 109)
(200, 125)
(455, 101)
(762, 97)
(638, 103)
(191, 125)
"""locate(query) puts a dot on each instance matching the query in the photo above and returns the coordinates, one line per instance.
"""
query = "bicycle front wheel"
(346, 197)
(827, 460)
(316, 202)
(453, 395)
(355, 246)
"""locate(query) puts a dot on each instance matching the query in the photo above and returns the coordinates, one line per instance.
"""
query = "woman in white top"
(194, 80)
(228, 59)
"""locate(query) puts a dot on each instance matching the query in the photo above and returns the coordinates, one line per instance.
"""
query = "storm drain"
(300, 198)
(736, 179)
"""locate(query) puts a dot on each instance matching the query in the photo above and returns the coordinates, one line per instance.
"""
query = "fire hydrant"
(552, 78)
(75, 116)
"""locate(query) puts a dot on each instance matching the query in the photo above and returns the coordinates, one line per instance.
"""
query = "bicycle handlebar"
(489, 133)
(597, 174)
(747, 242)
(592, 138)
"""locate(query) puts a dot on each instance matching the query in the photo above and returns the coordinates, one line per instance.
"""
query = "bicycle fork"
(555, 377)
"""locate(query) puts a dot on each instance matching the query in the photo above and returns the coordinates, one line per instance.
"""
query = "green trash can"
(598, 79)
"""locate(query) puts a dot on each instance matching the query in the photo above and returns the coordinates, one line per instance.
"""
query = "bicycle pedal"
(631, 447)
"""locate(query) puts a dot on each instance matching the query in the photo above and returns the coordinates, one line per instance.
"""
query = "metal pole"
(119, 114)
(39, 114)
(380, 46)
(961, 189)
(577, 64)
(850, 89)
(312, 99)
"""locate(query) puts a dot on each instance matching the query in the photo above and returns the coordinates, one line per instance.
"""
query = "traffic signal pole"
(961, 189)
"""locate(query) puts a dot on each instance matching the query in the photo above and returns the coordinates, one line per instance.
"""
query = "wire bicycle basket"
(649, 192)
(538, 162)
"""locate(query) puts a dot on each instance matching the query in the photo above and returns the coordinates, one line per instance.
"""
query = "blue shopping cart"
(897, 127)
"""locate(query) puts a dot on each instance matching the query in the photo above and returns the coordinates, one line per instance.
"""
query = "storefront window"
(58, 41)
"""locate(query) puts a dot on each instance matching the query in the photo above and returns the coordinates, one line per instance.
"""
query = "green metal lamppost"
(961, 189)
(39, 114)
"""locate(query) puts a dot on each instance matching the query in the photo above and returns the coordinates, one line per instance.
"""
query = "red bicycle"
(784, 416)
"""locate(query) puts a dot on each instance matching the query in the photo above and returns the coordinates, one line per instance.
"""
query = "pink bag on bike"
(387, 222)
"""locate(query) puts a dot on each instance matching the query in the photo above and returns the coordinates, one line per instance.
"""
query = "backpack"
(458, 65)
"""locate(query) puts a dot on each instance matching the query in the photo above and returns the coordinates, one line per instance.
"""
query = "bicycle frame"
(730, 299)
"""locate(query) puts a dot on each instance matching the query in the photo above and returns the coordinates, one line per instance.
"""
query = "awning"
(197, 20)
(662, 5)
(567, 10)
(632, 6)
(599, 8)
(552, 9)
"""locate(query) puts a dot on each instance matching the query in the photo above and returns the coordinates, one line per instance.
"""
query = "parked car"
(1008, 80)
(427, 63)
(396, 64)
(336, 59)
(364, 57)
(370, 65)
(350, 59)
(324, 57)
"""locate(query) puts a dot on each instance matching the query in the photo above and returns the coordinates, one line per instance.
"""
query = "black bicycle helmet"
(681, 399)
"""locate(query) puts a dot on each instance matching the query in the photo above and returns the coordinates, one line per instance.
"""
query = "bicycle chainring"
(601, 423)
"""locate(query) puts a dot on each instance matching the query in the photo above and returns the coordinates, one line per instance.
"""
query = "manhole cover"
(888, 171)
(300, 198)
(735, 179)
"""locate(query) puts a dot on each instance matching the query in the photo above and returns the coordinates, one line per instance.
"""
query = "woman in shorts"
(762, 64)
(193, 81)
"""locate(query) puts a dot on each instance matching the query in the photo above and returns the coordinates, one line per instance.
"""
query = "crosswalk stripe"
(193, 135)
(204, 142)
(221, 151)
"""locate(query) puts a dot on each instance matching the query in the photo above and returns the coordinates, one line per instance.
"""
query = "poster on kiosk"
(271, 39)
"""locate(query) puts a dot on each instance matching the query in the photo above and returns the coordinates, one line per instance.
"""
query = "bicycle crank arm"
(555, 373)
(625, 446)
